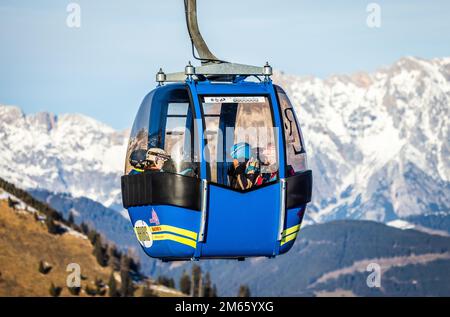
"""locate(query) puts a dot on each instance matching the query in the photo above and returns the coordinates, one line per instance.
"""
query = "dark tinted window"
(165, 121)
(295, 151)
(245, 124)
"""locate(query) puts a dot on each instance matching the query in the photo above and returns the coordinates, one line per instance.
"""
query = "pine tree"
(185, 283)
(207, 287)
(55, 291)
(135, 265)
(126, 287)
(166, 281)
(84, 228)
(113, 257)
(74, 290)
(244, 291)
(71, 219)
(100, 252)
(214, 291)
(200, 285)
(112, 284)
(93, 236)
(12, 203)
(44, 267)
(195, 280)
(51, 226)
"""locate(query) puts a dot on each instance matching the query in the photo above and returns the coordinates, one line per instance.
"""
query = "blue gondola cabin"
(216, 168)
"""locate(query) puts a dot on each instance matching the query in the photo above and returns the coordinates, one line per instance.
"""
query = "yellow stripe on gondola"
(169, 236)
(165, 232)
(290, 230)
(289, 234)
(180, 231)
(288, 238)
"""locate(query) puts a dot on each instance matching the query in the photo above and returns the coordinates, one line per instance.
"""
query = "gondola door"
(241, 221)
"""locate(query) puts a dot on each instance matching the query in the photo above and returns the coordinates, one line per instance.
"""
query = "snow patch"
(401, 224)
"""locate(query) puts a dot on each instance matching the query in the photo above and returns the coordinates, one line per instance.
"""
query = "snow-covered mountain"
(68, 154)
(378, 144)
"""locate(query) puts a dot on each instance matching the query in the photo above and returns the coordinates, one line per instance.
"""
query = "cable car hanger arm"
(211, 65)
(206, 56)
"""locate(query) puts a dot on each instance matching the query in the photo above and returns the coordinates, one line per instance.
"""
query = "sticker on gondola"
(237, 99)
(143, 234)
(154, 219)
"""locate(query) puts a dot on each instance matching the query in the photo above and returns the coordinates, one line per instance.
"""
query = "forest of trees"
(106, 253)
(197, 283)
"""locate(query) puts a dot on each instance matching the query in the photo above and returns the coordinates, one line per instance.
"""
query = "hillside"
(107, 221)
(25, 243)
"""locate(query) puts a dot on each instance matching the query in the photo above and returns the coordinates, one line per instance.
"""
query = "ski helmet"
(138, 158)
(241, 150)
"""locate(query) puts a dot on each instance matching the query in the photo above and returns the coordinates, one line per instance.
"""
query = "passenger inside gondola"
(269, 165)
(249, 168)
(156, 159)
(143, 161)
(243, 171)
(137, 161)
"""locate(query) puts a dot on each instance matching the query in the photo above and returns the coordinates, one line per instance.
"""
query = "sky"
(105, 67)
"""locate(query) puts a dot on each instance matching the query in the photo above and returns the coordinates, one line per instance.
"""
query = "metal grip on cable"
(197, 39)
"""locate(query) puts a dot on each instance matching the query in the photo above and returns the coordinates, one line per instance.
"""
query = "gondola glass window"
(165, 121)
(237, 120)
(295, 150)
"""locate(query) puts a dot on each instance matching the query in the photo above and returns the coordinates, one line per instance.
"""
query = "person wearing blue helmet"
(244, 170)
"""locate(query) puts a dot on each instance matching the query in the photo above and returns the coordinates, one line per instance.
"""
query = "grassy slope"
(25, 241)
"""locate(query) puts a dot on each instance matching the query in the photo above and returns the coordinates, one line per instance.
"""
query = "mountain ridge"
(62, 154)
(368, 135)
